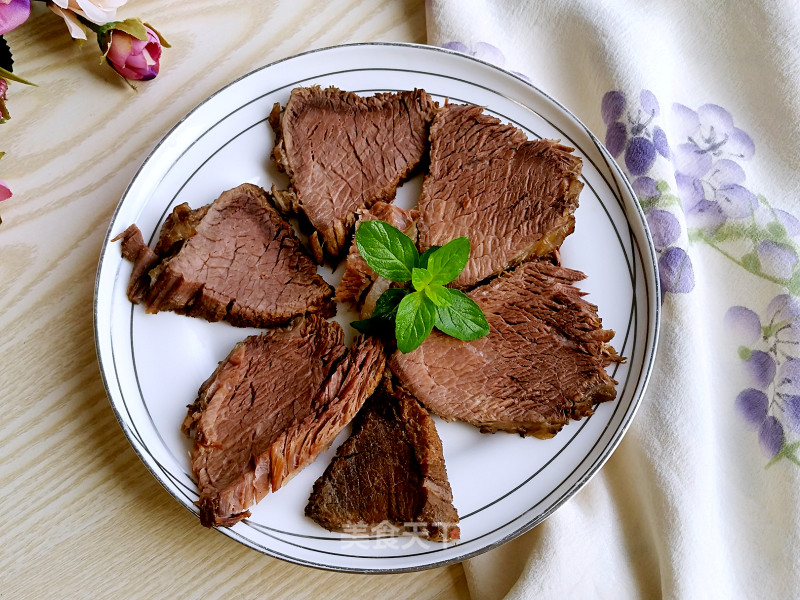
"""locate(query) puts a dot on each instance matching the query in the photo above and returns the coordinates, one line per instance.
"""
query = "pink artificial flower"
(13, 13)
(71, 19)
(131, 57)
(5, 193)
(97, 11)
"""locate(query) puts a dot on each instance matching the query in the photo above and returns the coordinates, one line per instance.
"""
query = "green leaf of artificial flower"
(462, 319)
(386, 249)
(133, 27)
(416, 316)
(9, 76)
(160, 37)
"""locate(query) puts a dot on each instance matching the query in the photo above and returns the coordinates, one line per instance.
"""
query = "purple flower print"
(664, 227)
(769, 351)
(761, 368)
(616, 138)
(660, 142)
(744, 324)
(612, 106)
(708, 177)
(770, 436)
(776, 260)
(675, 271)
(481, 50)
(631, 131)
(485, 52)
(646, 188)
(633, 135)
(710, 135)
(640, 155)
(723, 184)
(789, 386)
(753, 406)
(784, 324)
(790, 223)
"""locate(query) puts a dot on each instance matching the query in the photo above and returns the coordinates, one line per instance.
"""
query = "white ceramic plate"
(503, 485)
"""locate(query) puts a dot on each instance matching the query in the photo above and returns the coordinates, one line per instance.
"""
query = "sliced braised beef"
(513, 198)
(275, 403)
(390, 470)
(343, 152)
(360, 285)
(542, 364)
(143, 258)
(236, 259)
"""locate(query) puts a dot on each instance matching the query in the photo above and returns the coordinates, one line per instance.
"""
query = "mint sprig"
(393, 255)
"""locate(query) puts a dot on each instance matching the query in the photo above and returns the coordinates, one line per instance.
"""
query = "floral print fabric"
(698, 105)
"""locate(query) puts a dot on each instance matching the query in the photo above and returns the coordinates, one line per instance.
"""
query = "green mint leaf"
(423, 258)
(420, 278)
(382, 320)
(369, 326)
(438, 294)
(446, 263)
(386, 249)
(416, 316)
(387, 303)
(462, 319)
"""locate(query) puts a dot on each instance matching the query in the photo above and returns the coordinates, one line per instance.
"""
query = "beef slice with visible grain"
(276, 402)
(343, 152)
(390, 470)
(236, 260)
(512, 197)
(543, 362)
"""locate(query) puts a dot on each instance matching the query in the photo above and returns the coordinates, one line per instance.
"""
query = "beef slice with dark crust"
(391, 469)
(543, 362)
(344, 152)
(512, 197)
(236, 260)
(360, 286)
(276, 402)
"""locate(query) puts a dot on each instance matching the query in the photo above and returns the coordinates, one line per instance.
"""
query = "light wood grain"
(83, 516)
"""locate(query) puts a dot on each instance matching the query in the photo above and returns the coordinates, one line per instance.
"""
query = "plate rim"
(652, 283)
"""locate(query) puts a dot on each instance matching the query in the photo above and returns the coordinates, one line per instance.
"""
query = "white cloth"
(702, 498)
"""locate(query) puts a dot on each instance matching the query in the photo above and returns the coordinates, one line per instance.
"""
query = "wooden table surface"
(83, 518)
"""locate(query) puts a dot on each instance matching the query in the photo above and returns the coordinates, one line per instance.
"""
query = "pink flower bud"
(5, 193)
(13, 13)
(131, 57)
